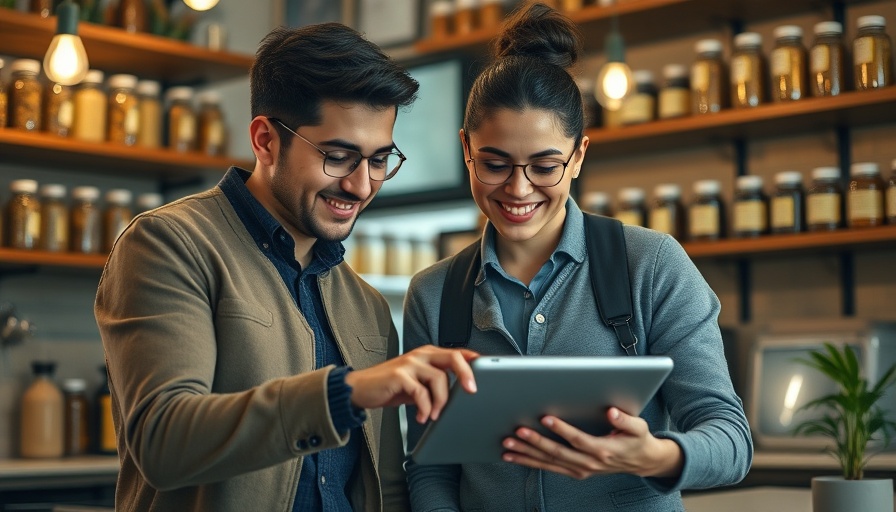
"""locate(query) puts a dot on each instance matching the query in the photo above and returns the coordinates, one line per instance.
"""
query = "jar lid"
(93, 76)
(86, 193)
(747, 39)
(441, 8)
(707, 186)
(864, 169)
(211, 97)
(671, 71)
(642, 76)
(596, 198)
(148, 88)
(667, 191)
(53, 191)
(751, 182)
(119, 196)
(23, 186)
(828, 27)
(788, 31)
(122, 82)
(74, 385)
(26, 65)
(708, 46)
(872, 20)
(826, 173)
(149, 201)
(179, 93)
(631, 194)
(788, 178)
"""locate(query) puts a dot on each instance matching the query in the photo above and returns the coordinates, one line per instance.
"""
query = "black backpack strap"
(456, 313)
(605, 243)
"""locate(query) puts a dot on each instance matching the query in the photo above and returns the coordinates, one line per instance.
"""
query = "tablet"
(516, 391)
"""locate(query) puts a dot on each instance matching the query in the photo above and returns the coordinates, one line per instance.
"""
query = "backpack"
(605, 245)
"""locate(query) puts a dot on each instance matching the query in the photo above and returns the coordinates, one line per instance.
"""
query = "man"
(247, 362)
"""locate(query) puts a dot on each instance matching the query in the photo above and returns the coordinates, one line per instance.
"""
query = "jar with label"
(90, 108)
(105, 439)
(871, 53)
(788, 64)
(425, 251)
(747, 71)
(597, 202)
(25, 91)
(465, 16)
(76, 417)
(750, 207)
(4, 107)
(491, 13)
(826, 59)
(824, 200)
(640, 106)
(86, 220)
(117, 216)
(124, 114)
(630, 207)
(891, 194)
(787, 203)
(149, 106)
(706, 213)
(865, 199)
(589, 103)
(149, 201)
(399, 255)
(675, 95)
(42, 423)
(371, 250)
(212, 130)
(441, 14)
(58, 110)
(667, 214)
(708, 78)
(181, 119)
(23, 215)
(53, 218)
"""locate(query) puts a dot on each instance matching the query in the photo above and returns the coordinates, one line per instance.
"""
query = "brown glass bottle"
(788, 64)
(667, 214)
(709, 78)
(630, 207)
(872, 59)
(4, 103)
(865, 199)
(824, 200)
(747, 71)
(77, 412)
(826, 60)
(706, 214)
(441, 19)
(105, 438)
(786, 204)
(58, 110)
(750, 207)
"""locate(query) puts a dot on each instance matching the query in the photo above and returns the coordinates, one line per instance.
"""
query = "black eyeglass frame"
(513, 166)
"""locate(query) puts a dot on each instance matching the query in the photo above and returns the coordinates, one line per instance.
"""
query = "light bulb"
(201, 5)
(614, 84)
(66, 59)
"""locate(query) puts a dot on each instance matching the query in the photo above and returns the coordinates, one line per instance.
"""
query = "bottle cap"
(746, 39)
(179, 93)
(667, 191)
(596, 200)
(93, 76)
(26, 65)
(788, 178)
(74, 385)
(122, 82)
(826, 173)
(441, 8)
(23, 186)
(119, 196)
(675, 71)
(751, 182)
(53, 191)
(708, 46)
(210, 97)
(642, 76)
(788, 31)
(148, 88)
(631, 194)
(872, 20)
(828, 27)
(707, 187)
(86, 193)
(864, 169)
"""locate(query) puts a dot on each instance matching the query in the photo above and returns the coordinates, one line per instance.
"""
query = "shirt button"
(539, 318)
(527, 295)
(266, 246)
(282, 237)
(323, 480)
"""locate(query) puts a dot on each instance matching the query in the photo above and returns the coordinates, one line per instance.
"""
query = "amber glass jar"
(788, 64)
(465, 16)
(709, 78)
(90, 108)
(212, 130)
(640, 106)
(491, 12)
(149, 135)
(750, 207)
(675, 95)
(441, 17)
(124, 112)
(826, 64)
(25, 95)
(667, 213)
(865, 198)
(58, 110)
(86, 220)
(871, 53)
(824, 200)
(181, 119)
(891, 194)
(630, 207)
(116, 216)
(747, 71)
(76, 415)
(132, 15)
(4, 104)
(706, 214)
(786, 204)
(23, 215)
(54, 221)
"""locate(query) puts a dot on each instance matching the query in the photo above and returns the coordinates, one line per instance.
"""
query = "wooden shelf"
(113, 50)
(18, 258)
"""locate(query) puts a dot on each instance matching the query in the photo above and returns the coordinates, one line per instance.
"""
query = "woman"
(523, 142)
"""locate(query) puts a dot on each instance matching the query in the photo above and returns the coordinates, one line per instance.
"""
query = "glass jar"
(750, 207)
(630, 208)
(77, 411)
(212, 130)
(181, 119)
(441, 14)
(124, 113)
(465, 16)
(116, 216)
(132, 16)
(371, 251)
(58, 110)
(708, 78)
(86, 220)
(706, 213)
(675, 95)
(640, 106)
(891, 194)
(23, 215)
(41, 430)
(871, 53)
(90, 108)
(425, 253)
(25, 91)
(824, 200)
(399, 255)
(149, 134)
(597, 202)
(4, 107)
(491, 13)
(747, 71)
(667, 214)
(826, 59)
(788, 64)
(787, 203)
(865, 199)
(54, 219)
(149, 201)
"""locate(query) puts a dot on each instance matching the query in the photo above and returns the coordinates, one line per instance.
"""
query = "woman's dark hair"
(534, 54)
(296, 69)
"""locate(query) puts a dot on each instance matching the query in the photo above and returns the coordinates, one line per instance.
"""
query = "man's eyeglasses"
(541, 172)
(339, 163)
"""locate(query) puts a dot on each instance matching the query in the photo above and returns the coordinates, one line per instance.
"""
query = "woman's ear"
(463, 144)
(264, 139)
(580, 158)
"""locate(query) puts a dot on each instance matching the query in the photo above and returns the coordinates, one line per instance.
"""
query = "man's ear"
(264, 139)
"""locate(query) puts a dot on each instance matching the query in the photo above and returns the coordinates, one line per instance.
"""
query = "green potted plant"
(852, 419)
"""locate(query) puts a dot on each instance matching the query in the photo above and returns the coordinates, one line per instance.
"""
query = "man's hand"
(417, 377)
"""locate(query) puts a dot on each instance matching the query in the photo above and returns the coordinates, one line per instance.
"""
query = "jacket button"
(539, 318)
(302, 444)
(314, 441)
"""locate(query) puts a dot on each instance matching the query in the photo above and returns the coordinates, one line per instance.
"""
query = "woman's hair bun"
(540, 32)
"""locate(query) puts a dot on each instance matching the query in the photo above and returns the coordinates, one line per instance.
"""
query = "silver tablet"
(516, 391)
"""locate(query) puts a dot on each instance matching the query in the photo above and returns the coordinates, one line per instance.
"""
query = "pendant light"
(201, 5)
(65, 62)
(614, 81)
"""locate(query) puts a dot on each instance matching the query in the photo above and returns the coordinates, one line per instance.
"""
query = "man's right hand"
(417, 377)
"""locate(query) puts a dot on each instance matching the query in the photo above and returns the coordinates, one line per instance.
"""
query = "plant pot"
(834, 494)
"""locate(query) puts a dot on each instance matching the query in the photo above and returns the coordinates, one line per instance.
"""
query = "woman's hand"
(629, 448)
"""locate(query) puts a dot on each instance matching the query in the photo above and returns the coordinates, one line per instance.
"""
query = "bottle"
(181, 119)
(4, 103)
(871, 53)
(149, 134)
(23, 215)
(597, 202)
(124, 113)
(630, 209)
(465, 16)
(54, 219)
(77, 412)
(117, 216)
(747, 71)
(86, 221)
(787, 203)
(708, 78)
(212, 130)
(826, 66)
(90, 108)
(58, 110)
(640, 106)
(667, 214)
(675, 95)
(750, 207)
(706, 213)
(148, 201)
(891, 194)
(491, 13)
(42, 422)
(399, 255)
(371, 250)
(106, 442)
(25, 91)
(788, 64)
(865, 199)
(824, 200)
(441, 14)
(132, 15)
